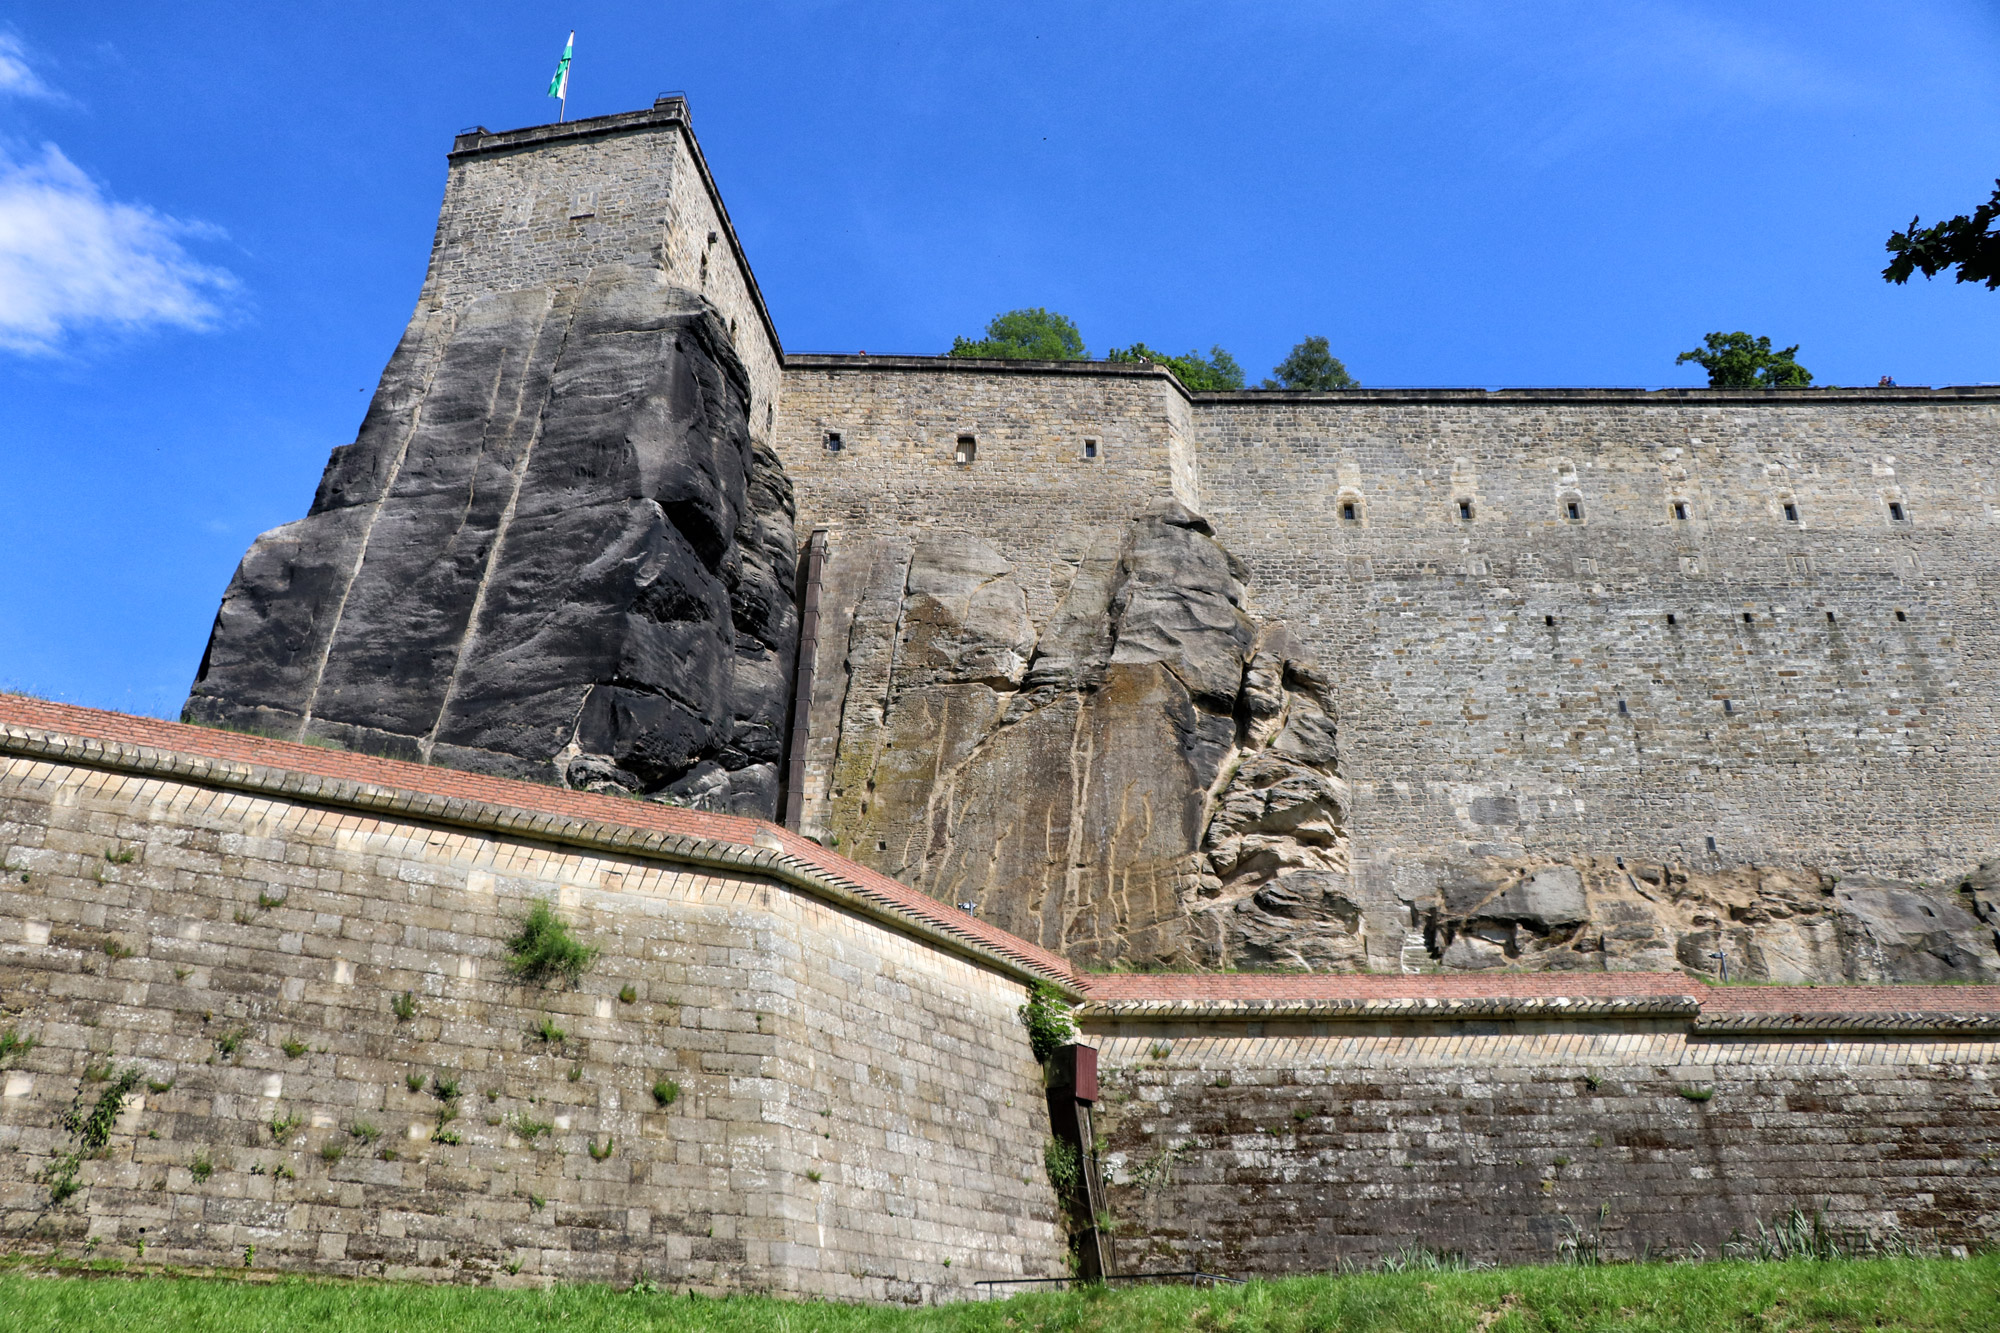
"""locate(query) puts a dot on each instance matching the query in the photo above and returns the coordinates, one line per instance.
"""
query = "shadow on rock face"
(554, 552)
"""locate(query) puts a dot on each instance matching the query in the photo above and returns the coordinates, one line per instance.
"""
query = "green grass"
(1911, 1294)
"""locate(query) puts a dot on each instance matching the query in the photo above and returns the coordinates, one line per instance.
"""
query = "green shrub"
(542, 949)
(598, 1154)
(363, 1130)
(201, 1168)
(332, 1151)
(548, 1032)
(1046, 1015)
(665, 1092)
(293, 1048)
(1065, 1167)
(405, 1007)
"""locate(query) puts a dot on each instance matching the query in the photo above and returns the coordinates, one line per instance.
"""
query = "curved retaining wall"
(237, 919)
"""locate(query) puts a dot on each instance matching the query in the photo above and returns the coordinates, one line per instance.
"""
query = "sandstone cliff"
(553, 552)
(1150, 776)
(1749, 923)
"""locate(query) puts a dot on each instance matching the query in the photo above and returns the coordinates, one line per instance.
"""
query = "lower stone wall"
(1311, 1145)
(858, 1114)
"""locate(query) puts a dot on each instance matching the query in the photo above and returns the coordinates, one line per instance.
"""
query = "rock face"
(1755, 923)
(553, 552)
(1150, 777)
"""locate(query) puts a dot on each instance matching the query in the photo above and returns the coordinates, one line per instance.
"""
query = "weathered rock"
(1081, 784)
(1754, 923)
(553, 552)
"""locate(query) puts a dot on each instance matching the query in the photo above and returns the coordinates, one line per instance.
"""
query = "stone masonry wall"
(1814, 690)
(1293, 1147)
(858, 1114)
(544, 206)
(1681, 674)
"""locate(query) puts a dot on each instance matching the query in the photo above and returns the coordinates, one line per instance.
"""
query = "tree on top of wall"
(1215, 373)
(1967, 243)
(1033, 334)
(1311, 365)
(1738, 361)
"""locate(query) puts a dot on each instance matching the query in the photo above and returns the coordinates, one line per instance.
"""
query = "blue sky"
(214, 219)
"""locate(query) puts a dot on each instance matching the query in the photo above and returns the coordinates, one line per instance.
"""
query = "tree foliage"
(1311, 365)
(1967, 243)
(1738, 361)
(1033, 334)
(1217, 372)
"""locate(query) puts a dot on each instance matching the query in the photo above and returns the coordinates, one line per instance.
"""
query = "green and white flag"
(559, 85)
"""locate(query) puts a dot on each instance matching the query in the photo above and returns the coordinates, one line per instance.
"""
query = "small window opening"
(1791, 512)
(1895, 511)
(881, 846)
(833, 443)
(968, 449)
(1348, 511)
(1728, 706)
(1900, 617)
(1574, 510)
(1748, 619)
(1681, 510)
(1830, 620)
(1465, 511)
(1621, 708)
(1711, 846)
(1548, 620)
(1090, 448)
(1670, 620)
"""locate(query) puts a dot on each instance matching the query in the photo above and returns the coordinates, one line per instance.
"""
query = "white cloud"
(73, 260)
(16, 79)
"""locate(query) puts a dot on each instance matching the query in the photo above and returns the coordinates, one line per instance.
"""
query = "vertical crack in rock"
(1106, 733)
(595, 590)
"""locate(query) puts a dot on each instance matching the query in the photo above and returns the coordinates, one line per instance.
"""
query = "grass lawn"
(1633, 1298)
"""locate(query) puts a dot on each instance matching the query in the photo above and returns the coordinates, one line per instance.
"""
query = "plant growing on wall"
(542, 949)
(1046, 1015)
(1064, 1166)
(90, 1133)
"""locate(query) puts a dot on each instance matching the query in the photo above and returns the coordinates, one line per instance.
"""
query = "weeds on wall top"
(1046, 1015)
(543, 949)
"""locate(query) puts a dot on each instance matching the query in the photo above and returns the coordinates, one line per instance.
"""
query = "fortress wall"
(145, 919)
(1029, 490)
(1471, 724)
(542, 207)
(1272, 1148)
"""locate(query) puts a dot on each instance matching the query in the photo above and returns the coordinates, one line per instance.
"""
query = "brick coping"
(95, 738)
